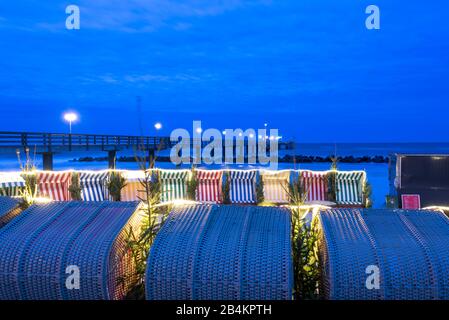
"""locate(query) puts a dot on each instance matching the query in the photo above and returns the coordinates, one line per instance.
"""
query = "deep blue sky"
(309, 68)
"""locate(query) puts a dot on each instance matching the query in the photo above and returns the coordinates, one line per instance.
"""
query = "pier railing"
(49, 142)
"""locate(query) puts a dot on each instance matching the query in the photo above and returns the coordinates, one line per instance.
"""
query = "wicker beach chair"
(316, 185)
(210, 185)
(42, 246)
(173, 184)
(275, 185)
(213, 252)
(54, 185)
(242, 186)
(11, 184)
(350, 188)
(93, 185)
(408, 248)
(9, 209)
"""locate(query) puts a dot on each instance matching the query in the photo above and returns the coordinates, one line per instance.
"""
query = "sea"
(377, 173)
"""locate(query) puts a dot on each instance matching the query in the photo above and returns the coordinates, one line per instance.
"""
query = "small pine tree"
(367, 191)
(28, 168)
(260, 197)
(115, 185)
(296, 192)
(332, 180)
(29, 192)
(139, 241)
(227, 190)
(305, 238)
(75, 187)
(331, 186)
(192, 185)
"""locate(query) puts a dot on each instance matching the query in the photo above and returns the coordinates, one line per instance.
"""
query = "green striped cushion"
(349, 188)
(10, 191)
(173, 184)
(11, 185)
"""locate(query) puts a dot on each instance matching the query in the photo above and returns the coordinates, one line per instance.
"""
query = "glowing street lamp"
(158, 126)
(70, 117)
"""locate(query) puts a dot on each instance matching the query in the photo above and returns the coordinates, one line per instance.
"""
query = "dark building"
(419, 174)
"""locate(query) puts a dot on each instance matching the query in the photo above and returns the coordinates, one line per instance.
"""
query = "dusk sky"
(309, 68)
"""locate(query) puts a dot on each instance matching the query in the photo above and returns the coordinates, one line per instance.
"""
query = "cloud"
(143, 78)
(109, 79)
(149, 16)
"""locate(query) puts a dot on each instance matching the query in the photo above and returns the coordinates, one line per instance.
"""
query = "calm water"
(377, 173)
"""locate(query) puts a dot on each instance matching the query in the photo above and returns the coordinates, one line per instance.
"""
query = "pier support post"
(112, 158)
(47, 161)
(151, 157)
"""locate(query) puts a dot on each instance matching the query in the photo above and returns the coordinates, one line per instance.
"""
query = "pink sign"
(411, 201)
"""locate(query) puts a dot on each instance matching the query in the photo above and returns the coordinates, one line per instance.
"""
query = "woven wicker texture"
(409, 248)
(11, 184)
(134, 188)
(93, 186)
(210, 184)
(173, 184)
(316, 185)
(242, 186)
(54, 185)
(350, 187)
(9, 209)
(275, 186)
(210, 252)
(39, 245)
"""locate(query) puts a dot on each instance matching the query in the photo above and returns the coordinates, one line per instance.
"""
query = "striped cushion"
(242, 186)
(209, 186)
(54, 185)
(11, 184)
(93, 186)
(275, 186)
(134, 188)
(349, 188)
(316, 185)
(173, 184)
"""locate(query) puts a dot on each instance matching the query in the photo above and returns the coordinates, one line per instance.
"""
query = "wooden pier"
(48, 144)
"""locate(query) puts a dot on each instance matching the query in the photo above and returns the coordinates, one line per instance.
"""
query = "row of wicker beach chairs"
(348, 186)
(77, 250)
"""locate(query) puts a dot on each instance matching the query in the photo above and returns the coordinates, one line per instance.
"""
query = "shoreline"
(284, 159)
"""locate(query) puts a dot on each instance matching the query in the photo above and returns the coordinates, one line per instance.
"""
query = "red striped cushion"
(316, 185)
